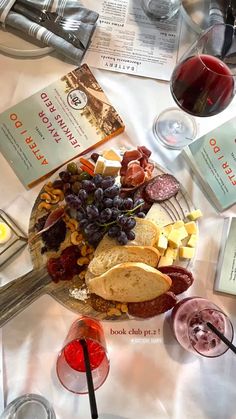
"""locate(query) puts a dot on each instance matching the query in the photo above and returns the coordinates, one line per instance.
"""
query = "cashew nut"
(76, 237)
(44, 205)
(72, 224)
(59, 193)
(46, 197)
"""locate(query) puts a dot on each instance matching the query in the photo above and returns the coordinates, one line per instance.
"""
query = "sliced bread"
(146, 234)
(114, 255)
(130, 282)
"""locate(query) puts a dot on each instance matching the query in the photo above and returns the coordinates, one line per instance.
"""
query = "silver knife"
(50, 21)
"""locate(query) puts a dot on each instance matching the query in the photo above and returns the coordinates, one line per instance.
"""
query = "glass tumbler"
(161, 10)
(29, 406)
(70, 366)
(189, 322)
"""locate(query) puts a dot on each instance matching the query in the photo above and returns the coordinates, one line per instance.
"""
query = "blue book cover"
(213, 158)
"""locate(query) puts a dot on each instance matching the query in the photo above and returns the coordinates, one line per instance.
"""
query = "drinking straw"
(92, 400)
(221, 336)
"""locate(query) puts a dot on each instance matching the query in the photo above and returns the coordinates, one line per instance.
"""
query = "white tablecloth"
(150, 376)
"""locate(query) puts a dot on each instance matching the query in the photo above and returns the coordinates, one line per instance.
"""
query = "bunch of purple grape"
(100, 210)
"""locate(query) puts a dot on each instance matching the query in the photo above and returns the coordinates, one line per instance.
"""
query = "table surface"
(151, 376)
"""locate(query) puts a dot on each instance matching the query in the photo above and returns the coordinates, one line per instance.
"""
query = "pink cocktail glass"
(71, 369)
(189, 321)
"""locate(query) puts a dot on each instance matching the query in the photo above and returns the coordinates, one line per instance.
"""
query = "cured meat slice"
(153, 307)
(100, 304)
(135, 174)
(140, 194)
(162, 187)
(181, 278)
(145, 151)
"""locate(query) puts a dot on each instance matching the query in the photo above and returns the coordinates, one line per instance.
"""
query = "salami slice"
(162, 187)
(181, 278)
(153, 307)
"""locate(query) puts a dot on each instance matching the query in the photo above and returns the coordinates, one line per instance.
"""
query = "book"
(213, 159)
(58, 123)
(225, 280)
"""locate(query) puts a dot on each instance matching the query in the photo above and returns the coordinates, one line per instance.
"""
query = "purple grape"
(139, 203)
(80, 215)
(121, 220)
(94, 157)
(130, 223)
(67, 188)
(98, 180)
(98, 194)
(112, 191)
(118, 202)
(95, 238)
(73, 201)
(128, 204)
(130, 235)
(83, 223)
(122, 238)
(108, 202)
(91, 228)
(140, 215)
(115, 213)
(107, 182)
(65, 176)
(114, 231)
(82, 194)
(105, 215)
(88, 185)
(92, 212)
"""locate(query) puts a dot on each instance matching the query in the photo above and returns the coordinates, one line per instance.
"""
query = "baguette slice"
(130, 282)
(146, 234)
(105, 260)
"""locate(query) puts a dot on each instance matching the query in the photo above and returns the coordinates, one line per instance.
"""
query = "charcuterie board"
(19, 293)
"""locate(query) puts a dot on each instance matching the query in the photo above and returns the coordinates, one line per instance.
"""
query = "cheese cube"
(165, 261)
(174, 238)
(194, 215)
(192, 240)
(111, 168)
(186, 252)
(178, 224)
(112, 154)
(191, 227)
(99, 166)
(171, 253)
(162, 242)
(182, 233)
(167, 229)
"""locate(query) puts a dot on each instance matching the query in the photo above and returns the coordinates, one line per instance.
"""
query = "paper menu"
(128, 41)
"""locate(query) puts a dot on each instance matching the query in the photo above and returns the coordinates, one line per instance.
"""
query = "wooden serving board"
(19, 293)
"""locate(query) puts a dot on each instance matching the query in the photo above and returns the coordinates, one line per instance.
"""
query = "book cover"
(65, 119)
(226, 269)
(213, 159)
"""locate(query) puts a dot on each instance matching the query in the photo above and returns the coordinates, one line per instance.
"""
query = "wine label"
(226, 270)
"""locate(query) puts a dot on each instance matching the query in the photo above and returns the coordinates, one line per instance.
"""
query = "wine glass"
(202, 84)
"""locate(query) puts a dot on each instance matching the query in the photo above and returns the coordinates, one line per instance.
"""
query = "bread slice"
(146, 234)
(130, 282)
(112, 256)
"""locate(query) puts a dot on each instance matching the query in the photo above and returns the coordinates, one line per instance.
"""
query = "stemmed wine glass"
(202, 84)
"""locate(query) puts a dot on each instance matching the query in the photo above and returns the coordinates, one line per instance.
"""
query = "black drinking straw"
(92, 400)
(222, 337)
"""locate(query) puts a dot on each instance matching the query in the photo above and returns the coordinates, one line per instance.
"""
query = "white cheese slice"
(111, 167)
(99, 166)
(158, 215)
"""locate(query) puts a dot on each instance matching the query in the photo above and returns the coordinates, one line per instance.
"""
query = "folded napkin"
(66, 8)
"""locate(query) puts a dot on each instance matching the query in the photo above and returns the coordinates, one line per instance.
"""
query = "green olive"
(76, 186)
(84, 176)
(72, 168)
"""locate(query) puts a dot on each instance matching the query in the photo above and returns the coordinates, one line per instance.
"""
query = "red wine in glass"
(202, 85)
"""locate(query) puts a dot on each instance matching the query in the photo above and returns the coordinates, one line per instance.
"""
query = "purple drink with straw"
(189, 320)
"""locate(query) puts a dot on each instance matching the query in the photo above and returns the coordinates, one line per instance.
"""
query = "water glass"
(161, 10)
(29, 406)
(70, 366)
